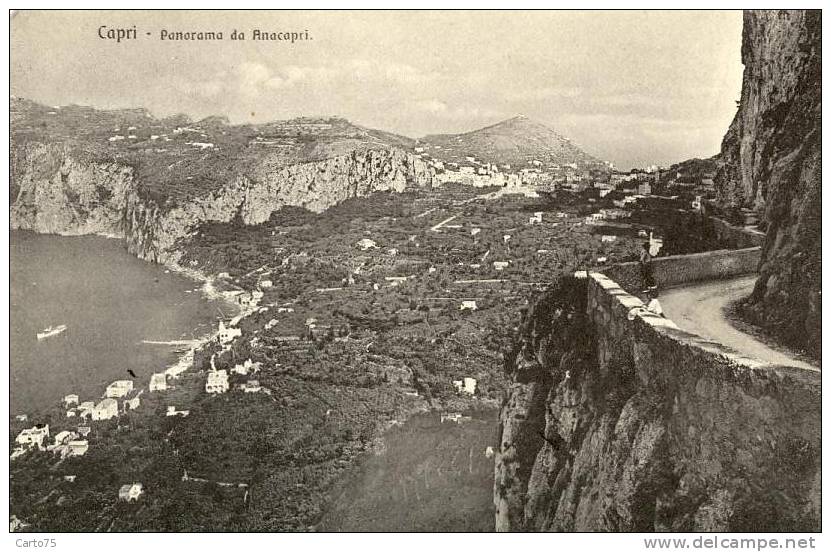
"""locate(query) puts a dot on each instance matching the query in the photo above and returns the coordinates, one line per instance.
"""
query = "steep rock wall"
(55, 192)
(772, 162)
(621, 423)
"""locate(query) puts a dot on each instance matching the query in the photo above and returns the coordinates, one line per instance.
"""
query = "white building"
(33, 437)
(246, 367)
(132, 404)
(536, 219)
(69, 400)
(265, 284)
(696, 203)
(469, 386)
(77, 447)
(468, 305)
(62, 436)
(500, 265)
(252, 386)
(119, 388)
(227, 333)
(171, 411)
(366, 243)
(131, 492)
(217, 382)
(608, 238)
(455, 417)
(158, 382)
(105, 410)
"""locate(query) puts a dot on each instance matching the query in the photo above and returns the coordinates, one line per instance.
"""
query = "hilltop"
(517, 142)
(175, 157)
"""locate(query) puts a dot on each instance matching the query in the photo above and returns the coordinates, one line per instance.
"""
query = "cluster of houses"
(218, 381)
(72, 443)
(478, 173)
(66, 443)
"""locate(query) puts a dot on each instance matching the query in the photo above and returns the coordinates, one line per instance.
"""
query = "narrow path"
(699, 308)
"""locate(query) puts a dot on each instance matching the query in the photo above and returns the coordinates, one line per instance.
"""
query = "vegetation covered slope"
(517, 142)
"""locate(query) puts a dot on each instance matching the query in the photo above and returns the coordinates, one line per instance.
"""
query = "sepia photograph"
(415, 271)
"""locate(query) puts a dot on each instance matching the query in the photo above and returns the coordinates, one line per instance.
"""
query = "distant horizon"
(632, 88)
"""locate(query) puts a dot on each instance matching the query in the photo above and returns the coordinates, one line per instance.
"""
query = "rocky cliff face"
(772, 159)
(55, 190)
(609, 425)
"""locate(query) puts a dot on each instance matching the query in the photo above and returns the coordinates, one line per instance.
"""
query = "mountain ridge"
(518, 141)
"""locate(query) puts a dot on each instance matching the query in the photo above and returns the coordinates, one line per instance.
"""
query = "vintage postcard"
(415, 271)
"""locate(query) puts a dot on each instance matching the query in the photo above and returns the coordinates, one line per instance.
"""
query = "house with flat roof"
(217, 382)
(130, 492)
(33, 437)
(77, 447)
(158, 382)
(119, 388)
(105, 410)
(228, 333)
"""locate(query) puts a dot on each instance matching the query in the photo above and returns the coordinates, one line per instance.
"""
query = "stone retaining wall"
(680, 269)
(741, 437)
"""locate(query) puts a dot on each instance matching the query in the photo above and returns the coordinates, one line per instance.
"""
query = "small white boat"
(50, 331)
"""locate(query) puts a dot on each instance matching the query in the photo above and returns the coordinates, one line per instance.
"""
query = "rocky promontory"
(154, 196)
(772, 163)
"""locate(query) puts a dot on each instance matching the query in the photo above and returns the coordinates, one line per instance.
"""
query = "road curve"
(699, 308)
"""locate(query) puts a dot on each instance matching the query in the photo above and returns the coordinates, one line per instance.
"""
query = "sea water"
(110, 302)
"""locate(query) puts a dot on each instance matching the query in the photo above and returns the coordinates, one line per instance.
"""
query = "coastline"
(208, 291)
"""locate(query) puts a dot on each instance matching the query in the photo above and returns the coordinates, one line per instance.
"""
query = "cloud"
(547, 93)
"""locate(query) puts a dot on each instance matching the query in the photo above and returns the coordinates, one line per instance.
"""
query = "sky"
(632, 87)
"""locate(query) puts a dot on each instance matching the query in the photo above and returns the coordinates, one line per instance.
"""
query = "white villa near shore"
(78, 447)
(119, 388)
(86, 408)
(217, 382)
(105, 410)
(158, 382)
(227, 334)
(33, 437)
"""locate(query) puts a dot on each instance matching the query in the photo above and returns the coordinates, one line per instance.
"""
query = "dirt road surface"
(699, 309)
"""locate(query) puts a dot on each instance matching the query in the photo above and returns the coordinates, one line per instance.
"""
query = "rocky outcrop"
(620, 423)
(771, 162)
(55, 190)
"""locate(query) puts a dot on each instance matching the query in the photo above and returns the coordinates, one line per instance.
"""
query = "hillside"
(517, 142)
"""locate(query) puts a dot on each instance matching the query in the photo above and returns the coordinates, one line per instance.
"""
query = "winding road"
(699, 309)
